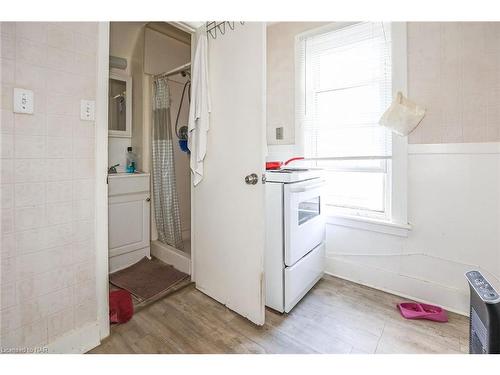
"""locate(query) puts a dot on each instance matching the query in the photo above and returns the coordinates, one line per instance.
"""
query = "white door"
(228, 214)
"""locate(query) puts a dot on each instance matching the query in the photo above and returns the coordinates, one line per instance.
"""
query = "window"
(345, 84)
(308, 210)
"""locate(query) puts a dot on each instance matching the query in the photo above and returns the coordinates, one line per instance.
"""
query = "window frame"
(396, 176)
(360, 212)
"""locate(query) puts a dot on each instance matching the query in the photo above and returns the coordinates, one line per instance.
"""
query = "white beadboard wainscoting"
(453, 210)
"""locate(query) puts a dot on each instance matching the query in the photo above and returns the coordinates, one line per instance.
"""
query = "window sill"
(370, 224)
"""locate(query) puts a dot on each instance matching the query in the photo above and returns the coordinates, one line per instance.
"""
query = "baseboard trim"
(77, 341)
(121, 261)
(396, 293)
(416, 290)
(171, 256)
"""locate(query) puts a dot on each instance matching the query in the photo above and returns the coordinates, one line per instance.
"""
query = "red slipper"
(121, 307)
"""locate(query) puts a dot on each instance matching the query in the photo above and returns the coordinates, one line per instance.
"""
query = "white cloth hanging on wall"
(403, 116)
(199, 110)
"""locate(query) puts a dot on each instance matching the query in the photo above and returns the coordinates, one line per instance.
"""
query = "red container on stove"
(275, 165)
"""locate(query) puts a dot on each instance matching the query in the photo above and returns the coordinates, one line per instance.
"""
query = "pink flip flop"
(413, 310)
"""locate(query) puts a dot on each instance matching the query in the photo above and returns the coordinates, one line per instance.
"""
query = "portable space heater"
(484, 328)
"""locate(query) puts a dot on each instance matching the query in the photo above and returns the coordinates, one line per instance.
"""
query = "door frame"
(101, 186)
(101, 174)
(194, 33)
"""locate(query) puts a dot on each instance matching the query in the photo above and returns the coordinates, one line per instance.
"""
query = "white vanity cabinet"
(128, 218)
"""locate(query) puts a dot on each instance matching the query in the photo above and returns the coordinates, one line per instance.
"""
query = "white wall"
(138, 90)
(280, 82)
(48, 288)
(453, 207)
(123, 36)
(117, 151)
(164, 53)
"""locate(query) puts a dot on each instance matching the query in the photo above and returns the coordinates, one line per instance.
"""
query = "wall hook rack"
(213, 27)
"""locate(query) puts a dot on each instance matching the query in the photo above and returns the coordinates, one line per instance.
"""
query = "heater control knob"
(482, 287)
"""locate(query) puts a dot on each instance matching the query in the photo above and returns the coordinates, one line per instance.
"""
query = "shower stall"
(171, 177)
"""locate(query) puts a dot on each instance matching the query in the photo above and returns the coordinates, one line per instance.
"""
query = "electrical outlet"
(279, 132)
(87, 110)
(23, 101)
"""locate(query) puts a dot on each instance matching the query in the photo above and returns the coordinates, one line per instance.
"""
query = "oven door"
(304, 218)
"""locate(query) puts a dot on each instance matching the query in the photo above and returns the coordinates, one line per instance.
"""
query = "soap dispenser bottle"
(131, 160)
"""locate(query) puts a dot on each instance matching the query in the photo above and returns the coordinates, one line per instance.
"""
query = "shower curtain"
(166, 202)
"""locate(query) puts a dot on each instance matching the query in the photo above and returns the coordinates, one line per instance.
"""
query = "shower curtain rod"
(174, 71)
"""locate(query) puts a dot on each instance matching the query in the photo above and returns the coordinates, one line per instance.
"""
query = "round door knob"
(148, 199)
(252, 179)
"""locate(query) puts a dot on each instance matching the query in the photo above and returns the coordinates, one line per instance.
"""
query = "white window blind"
(344, 87)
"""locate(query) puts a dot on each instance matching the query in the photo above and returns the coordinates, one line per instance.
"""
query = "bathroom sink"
(122, 174)
(127, 183)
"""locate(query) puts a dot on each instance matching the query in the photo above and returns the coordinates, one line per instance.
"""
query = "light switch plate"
(279, 133)
(23, 101)
(87, 110)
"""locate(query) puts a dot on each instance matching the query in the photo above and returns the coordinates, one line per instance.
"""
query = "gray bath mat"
(148, 279)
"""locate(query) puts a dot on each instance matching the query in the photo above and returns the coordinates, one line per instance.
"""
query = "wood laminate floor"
(336, 316)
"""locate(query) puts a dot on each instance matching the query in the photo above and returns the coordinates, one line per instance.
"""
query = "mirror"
(120, 106)
(117, 105)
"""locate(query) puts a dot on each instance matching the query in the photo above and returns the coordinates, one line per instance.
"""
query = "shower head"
(120, 96)
(186, 73)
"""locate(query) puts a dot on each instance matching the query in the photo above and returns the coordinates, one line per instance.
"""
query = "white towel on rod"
(199, 110)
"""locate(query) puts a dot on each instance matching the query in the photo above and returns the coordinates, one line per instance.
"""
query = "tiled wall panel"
(454, 71)
(47, 171)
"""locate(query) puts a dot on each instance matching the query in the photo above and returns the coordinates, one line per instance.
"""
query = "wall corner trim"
(101, 186)
(78, 341)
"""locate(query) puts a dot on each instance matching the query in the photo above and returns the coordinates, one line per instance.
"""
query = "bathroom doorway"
(227, 246)
(148, 176)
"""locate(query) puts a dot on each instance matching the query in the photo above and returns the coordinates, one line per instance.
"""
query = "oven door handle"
(304, 188)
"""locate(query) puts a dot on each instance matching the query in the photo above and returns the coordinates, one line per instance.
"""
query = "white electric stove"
(295, 232)
(290, 175)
